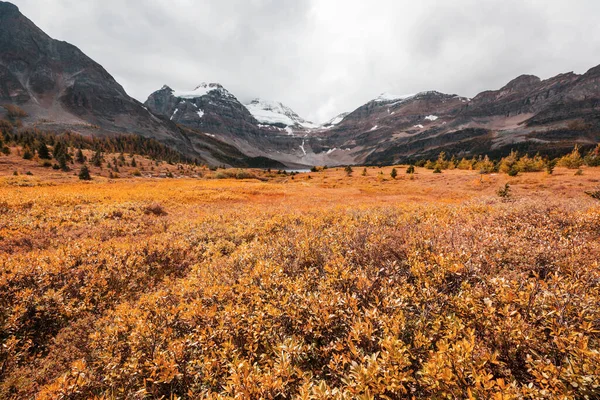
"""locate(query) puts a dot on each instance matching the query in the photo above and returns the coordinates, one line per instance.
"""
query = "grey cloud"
(322, 57)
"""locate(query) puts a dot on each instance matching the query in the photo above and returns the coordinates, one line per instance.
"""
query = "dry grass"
(426, 286)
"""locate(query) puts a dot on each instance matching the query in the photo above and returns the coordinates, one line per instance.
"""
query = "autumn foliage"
(335, 287)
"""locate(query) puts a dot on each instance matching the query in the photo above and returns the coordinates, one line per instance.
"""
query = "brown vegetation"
(424, 286)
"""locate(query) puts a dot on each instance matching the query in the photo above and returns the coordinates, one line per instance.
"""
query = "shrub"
(437, 170)
(394, 173)
(27, 154)
(84, 173)
(550, 165)
(509, 163)
(592, 159)
(155, 209)
(572, 160)
(442, 162)
(410, 169)
(595, 194)
(504, 192)
(136, 173)
(485, 165)
(348, 170)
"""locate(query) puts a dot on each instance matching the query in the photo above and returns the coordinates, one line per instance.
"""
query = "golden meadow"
(313, 286)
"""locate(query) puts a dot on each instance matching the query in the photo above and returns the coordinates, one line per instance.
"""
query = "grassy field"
(313, 286)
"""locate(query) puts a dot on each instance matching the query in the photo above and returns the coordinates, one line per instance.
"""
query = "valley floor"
(316, 285)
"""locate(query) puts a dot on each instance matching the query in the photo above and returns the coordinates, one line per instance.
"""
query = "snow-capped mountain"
(202, 90)
(278, 115)
(198, 107)
(335, 120)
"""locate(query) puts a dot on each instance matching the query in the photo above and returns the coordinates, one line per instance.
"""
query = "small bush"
(155, 209)
(504, 192)
(410, 169)
(394, 173)
(595, 194)
(550, 165)
(27, 154)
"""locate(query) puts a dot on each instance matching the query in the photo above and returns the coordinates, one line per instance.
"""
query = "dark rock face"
(61, 88)
(42, 73)
(528, 113)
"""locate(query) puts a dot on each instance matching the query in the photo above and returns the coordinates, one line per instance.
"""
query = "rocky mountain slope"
(61, 88)
(212, 109)
(528, 114)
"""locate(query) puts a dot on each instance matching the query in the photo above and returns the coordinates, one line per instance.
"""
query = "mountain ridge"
(63, 89)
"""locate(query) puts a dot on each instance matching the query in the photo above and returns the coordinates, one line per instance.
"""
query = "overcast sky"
(324, 57)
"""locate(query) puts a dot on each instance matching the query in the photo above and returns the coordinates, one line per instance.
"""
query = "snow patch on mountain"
(388, 97)
(201, 90)
(335, 120)
(431, 117)
(275, 113)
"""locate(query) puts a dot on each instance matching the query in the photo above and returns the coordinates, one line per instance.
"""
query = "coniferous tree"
(97, 159)
(84, 173)
(43, 151)
(79, 157)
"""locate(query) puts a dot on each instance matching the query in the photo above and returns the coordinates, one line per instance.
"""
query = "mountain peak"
(522, 82)
(201, 90)
(5, 6)
(269, 112)
(389, 98)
